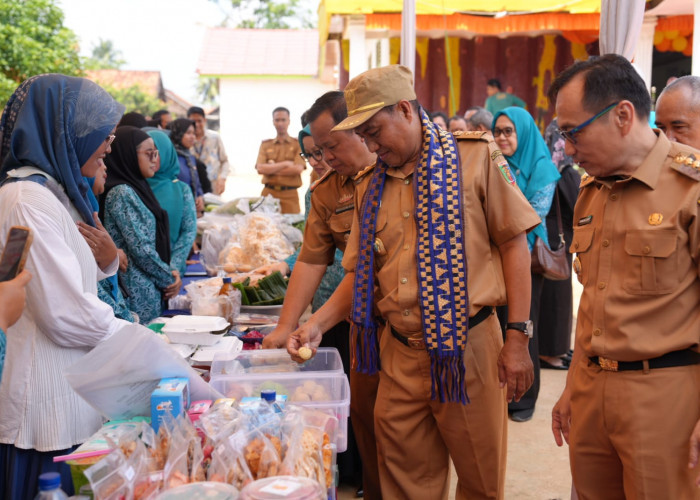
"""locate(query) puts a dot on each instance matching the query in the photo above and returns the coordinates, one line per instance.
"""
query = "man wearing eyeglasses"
(280, 164)
(630, 411)
(327, 229)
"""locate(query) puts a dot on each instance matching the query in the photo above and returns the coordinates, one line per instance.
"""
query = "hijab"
(165, 185)
(178, 128)
(305, 132)
(123, 168)
(55, 123)
(531, 162)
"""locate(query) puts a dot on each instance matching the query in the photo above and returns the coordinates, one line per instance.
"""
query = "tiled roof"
(149, 81)
(227, 51)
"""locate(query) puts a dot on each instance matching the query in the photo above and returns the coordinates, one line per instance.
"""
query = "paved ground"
(537, 469)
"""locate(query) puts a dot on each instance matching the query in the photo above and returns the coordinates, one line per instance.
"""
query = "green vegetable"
(244, 297)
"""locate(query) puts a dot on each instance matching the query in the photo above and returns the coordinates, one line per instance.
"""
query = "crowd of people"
(416, 261)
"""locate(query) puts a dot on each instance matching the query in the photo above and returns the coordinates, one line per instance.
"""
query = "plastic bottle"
(224, 302)
(271, 397)
(227, 286)
(50, 487)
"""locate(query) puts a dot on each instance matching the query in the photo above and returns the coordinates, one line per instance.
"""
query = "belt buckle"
(609, 365)
(416, 343)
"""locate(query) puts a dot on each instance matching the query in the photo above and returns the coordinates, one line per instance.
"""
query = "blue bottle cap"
(49, 481)
(269, 395)
(227, 280)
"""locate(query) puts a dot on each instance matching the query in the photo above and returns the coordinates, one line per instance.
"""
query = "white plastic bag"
(118, 376)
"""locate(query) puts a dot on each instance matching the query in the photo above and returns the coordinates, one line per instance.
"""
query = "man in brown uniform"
(327, 228)
(631, 406)
(280, 164)
(678, 111)
(421, 419)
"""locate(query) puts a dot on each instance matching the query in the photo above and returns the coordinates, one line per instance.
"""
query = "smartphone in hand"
(19, 239)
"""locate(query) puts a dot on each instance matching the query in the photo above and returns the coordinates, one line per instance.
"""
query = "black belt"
(279, 188)
(419, 343)
(676, 358)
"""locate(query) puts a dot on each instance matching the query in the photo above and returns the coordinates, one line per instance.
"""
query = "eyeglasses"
(506, 131)
(110, 139)
(151, 153)
(316, 155)
(570, 135)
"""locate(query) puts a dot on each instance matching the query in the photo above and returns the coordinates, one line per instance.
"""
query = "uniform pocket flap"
(651, 243)
(583, 237)
(342, 222)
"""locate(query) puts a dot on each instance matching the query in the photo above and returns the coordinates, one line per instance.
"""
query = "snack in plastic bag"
(111, 478)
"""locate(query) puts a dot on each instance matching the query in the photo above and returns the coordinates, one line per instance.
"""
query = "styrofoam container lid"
(283, 488)
(195, 324)
(206, 490)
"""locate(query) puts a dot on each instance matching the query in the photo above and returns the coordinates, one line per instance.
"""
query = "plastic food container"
(326, 392)
(201, 491)
(201, 330)
(283, 488)
(327, 360)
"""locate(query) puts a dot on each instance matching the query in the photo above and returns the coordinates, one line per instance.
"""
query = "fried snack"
(305, 353)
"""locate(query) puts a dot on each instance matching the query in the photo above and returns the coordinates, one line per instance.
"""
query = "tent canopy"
(440, 7)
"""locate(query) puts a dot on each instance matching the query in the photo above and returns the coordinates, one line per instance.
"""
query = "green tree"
(135, 99)
(208, 90)
(266, 14)
(33, 40)
(104, 56)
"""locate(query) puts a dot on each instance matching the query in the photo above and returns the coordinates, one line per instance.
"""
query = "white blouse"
(63, 319)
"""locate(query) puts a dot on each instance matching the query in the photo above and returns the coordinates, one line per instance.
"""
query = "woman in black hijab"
(182, 135)
(137, 223)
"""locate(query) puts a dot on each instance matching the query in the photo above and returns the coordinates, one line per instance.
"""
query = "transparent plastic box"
(327, 360)
(319, 384)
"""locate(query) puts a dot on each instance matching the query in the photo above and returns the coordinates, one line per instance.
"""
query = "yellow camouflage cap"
(369, 92)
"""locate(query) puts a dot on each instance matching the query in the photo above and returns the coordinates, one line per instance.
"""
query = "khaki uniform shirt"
(330, 218)
(494, 212)
(275, 151)
(637, 242)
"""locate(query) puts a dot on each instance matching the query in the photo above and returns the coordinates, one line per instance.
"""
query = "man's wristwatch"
(524, 326)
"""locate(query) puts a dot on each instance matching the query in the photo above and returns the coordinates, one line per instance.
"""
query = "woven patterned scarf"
(442, 266)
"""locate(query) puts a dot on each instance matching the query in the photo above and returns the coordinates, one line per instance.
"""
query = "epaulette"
(323, 178)
(359, 175)
(474, 135)
(586, 180)
(687, 164)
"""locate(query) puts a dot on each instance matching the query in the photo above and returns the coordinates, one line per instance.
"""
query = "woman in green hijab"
(175, 198)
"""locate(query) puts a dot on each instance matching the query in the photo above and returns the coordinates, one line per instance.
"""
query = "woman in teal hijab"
(518, 137)
(176, 199)
(522, 144)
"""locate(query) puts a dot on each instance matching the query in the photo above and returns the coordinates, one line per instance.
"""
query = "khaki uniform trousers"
(416, 436)
(363, 393)
(630, 432)
(289, 199)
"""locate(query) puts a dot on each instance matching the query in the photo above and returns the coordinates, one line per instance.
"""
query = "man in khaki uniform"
(678, 111)
(327, 228)
(631, 407)
(421, 419)
(281, 165)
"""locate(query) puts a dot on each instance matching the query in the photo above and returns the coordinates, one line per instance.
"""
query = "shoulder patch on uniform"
(323, 178)
(474, 135)
(687, 164)
(586, 180)
(359, 175)
(500, 161)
